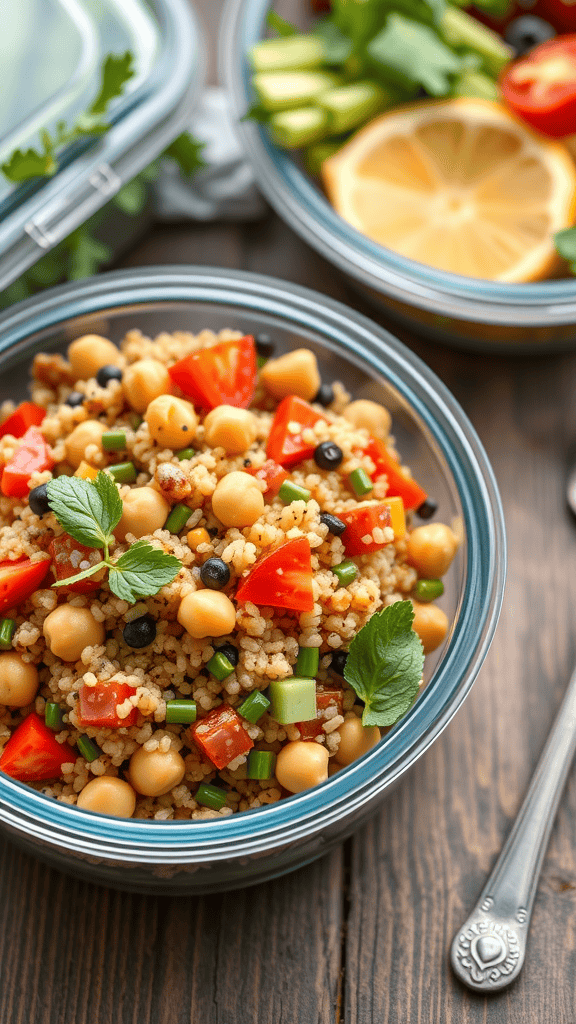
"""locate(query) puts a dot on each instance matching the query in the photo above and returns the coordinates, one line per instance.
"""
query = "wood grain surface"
(360, 937)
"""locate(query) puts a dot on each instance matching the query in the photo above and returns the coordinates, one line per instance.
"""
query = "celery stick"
(351, 105)
(294, 128)
(286, 90)
(475, 83)
(462, 30)
(292, 53)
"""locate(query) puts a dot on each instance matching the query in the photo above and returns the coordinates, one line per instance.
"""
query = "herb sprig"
(384, 664)
(89, 510)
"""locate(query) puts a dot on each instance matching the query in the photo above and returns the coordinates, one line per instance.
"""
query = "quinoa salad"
(209, 561)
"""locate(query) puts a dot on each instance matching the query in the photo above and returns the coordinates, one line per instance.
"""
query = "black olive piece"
(427, 509)
(265, 347)
(75, 398)
(526, 32)
(38, 500)
(215, 574)
(328, 455)
(213, 531)
(324, 395)
(247, 463)
(338, 663)
(140, 632)
(335, 525)
(230, 652)
(106, 374)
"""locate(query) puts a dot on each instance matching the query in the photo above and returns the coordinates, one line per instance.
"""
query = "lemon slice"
(457, 184)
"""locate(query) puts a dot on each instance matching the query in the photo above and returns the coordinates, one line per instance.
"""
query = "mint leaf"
(565, 242)
(280, 25)
(384, 664)
(142, 571)
(81, 575)
(413, 53)
(111, 501)
(186, 151)
(79, 509)
(117, 70)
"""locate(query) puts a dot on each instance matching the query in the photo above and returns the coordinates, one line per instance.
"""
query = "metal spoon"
(488, 951)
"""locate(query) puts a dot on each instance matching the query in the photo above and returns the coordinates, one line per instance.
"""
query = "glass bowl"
(435, 439)
(461, 311)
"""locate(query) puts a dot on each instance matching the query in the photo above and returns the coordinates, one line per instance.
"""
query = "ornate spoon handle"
(488, 952)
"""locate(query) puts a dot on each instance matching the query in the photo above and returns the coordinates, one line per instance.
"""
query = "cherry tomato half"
(541, 87)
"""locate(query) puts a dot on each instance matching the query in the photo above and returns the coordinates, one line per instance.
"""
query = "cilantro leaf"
(186, 151)
(117, 70)
(28, 163)
(111, 501)
(142, 571)
(78, 508)
(384, 664)
(565, 242)
(411, 52)
(280, 25)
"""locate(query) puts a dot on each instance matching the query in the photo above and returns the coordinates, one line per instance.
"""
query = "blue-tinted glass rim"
(22, 808)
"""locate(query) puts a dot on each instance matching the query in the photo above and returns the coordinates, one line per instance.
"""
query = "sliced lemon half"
(457, 184)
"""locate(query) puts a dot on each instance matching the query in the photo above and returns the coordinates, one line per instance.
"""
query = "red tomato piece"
(27, 414)
(324, 699)
(33, 754)
(224, 374)
(541, 87)
(67, 555)
(33, 455)
(97, 704)
(18, 580)
(272, 474)
(282, 579)
(283, 446)
(220, 736)
(403, 486)
(359, 523)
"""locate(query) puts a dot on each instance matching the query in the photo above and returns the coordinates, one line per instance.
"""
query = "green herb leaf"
(142, 571)
(111, 501)
(79, 509)
(280, 25)
(117, 70)
(565, 242)
(384, 664)
(132, 196)
(28, 163)
(256, 113)
(337, 46)
(80, 576)
(186, 151)
(412, 52)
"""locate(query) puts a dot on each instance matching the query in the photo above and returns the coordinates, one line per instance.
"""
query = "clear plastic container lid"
(56, 81)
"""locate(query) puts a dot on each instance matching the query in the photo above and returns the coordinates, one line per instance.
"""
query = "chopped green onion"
(88, 748)
(7, 630)
(292, 700)
(261, 764)
(186, 453)
(178, 518)
(180, 711)
(308, 661)
(254, 706)
(53, 716)
(123, 472)
(428, 590)
(360, 482)
(346, 572)
(290, 491)
(210, 796)
(219, 666)
(114, 441)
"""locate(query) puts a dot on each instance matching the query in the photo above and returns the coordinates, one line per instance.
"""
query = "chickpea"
(153, 772)
(85, 434)
(238, 500)
(144, 381)
(197, 537)
(371, 416)
(230, 428)
(431, 549)
(89, 353)
(295, 373)
(108, 795)
(171, 421)
(18, 680)
(144, 510)
(430, 623)
(207, 613)
(355, 739)
(70, 630)
(301, 764)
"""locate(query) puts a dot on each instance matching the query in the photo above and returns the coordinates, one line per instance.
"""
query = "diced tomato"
(541, 87)
(25, 415)
(272, 474)
(360, 522)
(18, 580)
(324, 699)
(97, 704)
(405, 487)
(32, 456)
(67, 555)
(224, 374)
(282, 579)
(33, 754)
(286, 447)
(220, 736)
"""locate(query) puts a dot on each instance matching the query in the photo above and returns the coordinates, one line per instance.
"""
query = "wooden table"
(361, 936)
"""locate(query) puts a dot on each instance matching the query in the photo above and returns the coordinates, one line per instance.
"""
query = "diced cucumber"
(292, 129)
(462, 30)
(350, 105)
(292, 53)
(319, 152)
(292, 700)
(475, 83)
(286, 90)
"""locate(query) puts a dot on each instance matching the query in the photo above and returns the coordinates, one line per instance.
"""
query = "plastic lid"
(55, 82)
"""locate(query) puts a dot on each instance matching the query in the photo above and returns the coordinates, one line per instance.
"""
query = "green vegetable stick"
(293, 129)
(293, 53)
(286, 90)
